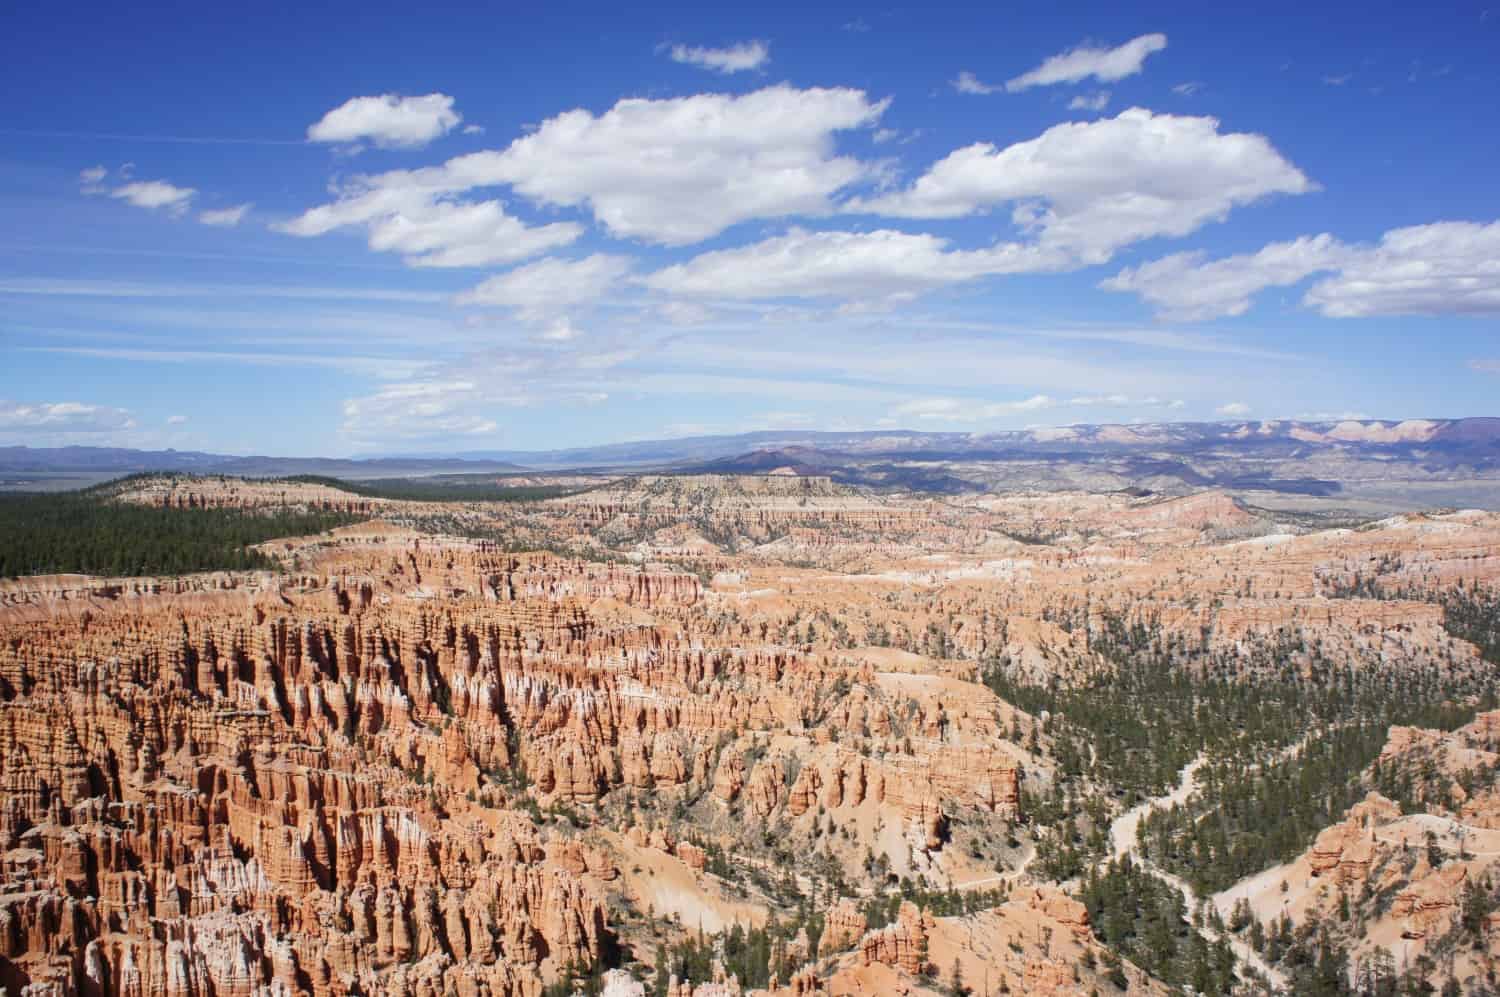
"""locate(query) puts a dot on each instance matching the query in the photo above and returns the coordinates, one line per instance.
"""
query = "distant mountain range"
(1382, 463)
(120, 460)
(1470, 435)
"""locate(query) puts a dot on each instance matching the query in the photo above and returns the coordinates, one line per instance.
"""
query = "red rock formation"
(902, 944)
(843, 925)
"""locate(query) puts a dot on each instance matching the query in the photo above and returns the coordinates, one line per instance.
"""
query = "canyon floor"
(724, 734)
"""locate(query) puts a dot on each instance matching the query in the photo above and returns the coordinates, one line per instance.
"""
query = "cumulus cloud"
(1089, 188)
(224, 217)
(1233, 409)
(1186, 286)
(389, 121)
(154, 194)
(678, 171)
(883, 265)
(672, 171)
(22, 419)
(733, 59)
(550, 287)
(1441, 268)
(1103, 64)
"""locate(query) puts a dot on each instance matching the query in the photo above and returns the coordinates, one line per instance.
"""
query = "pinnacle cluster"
(719, 734)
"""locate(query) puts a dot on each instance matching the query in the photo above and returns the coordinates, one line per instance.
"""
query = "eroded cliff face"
(414, 763)
(196, 803)
(322, 785)
(1394, 877)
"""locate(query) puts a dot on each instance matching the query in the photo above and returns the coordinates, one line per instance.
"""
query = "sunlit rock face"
(414, 763)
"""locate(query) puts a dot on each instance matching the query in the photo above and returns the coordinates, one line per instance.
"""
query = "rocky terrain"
(717, 734)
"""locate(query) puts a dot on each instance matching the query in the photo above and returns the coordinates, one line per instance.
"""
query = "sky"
(363, 230)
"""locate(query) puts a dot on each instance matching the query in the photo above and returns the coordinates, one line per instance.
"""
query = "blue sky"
(363, 230)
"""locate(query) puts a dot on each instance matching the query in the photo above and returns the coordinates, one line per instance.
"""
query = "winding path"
(1122, 836)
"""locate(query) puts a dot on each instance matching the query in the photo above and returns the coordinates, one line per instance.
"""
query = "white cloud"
(224, 217)
(389, 120)
(463, 397)
(1103, 64)
(1445, 268)
(967, 82)
(1233, 409)
(1485, 366)
(1436, 269)
(965, 410)
(673, 171)
(417, 410)
(1183, 286)
(550, 287)
(1188, 89)
(1345, 416)
(1090, 102)
(1121, 401)
(681, 170)
(154, 194)
(559, 330)
(23, 419)
(1091, 187)
(91, 180)
(884, 265)
(733, 59)
(176, 420)
(1339, 80)
(685, 313)
(473, 129)
(431, 229)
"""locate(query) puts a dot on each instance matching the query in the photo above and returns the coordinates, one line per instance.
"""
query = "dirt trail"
(1122, 836)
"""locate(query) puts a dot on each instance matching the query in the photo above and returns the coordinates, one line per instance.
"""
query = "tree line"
(83, 532)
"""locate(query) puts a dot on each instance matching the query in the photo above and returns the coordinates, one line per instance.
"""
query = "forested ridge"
(1286, 732)
(84, 532)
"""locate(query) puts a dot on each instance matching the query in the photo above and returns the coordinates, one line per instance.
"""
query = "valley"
(711, 734)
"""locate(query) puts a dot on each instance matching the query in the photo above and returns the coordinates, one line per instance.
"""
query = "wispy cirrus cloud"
(224, 217)
(1091, 62)
(967, 82)
(738, 58)
(21, 419)
(156, 195)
